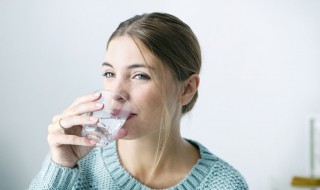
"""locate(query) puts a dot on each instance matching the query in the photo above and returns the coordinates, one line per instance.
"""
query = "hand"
(67, 146)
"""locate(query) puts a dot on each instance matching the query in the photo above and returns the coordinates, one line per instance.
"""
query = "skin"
(127, 70)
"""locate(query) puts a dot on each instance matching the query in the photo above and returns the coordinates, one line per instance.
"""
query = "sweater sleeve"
(53, 176)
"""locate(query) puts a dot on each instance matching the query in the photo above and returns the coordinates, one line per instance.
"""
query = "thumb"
(120, 134)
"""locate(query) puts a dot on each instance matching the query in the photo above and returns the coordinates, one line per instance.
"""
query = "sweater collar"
(126, 181)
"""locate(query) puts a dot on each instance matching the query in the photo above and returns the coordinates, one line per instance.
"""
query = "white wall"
(259, 82)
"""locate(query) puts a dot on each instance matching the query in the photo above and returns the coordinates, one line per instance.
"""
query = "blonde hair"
(176, 46)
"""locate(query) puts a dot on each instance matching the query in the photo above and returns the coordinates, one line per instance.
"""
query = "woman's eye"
(108, 74)
(141, 77)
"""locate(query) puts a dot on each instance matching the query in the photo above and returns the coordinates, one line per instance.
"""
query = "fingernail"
(92, 141)
(96, 94)
(99, 105)
(93, 119)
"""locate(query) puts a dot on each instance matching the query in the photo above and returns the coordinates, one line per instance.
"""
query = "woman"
(153, 60)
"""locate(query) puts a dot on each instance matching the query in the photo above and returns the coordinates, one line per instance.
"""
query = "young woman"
(153, 60)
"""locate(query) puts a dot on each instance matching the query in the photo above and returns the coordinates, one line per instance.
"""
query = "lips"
(131, 115)
(121, 114)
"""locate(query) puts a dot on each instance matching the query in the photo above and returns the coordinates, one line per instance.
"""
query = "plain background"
(259, 81)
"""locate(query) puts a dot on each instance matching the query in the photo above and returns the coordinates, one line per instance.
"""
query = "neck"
(138, 158)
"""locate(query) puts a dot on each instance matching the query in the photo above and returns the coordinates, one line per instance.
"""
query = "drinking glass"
(114, 114)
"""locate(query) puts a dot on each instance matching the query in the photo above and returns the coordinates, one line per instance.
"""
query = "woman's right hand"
(67, 146)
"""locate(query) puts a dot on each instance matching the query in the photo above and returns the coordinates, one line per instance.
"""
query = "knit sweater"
(101, 169)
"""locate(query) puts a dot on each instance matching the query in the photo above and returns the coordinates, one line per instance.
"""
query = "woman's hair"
(176, 46)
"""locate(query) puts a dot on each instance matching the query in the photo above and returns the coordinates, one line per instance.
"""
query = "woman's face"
(127, 71)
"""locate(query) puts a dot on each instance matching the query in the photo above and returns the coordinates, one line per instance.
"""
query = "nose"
(118, 97)
(120, 86)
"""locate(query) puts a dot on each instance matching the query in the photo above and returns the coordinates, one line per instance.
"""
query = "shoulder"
(224, 175)
(221, 175)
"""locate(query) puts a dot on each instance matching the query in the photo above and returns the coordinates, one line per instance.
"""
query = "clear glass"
(114, 114)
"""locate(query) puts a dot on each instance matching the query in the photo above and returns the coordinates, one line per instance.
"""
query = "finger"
(69, 122)
(58, 139)
(57, 128)
(83, 108)
(55, 118)
(87, 98)
(120, 134)
(52, 128)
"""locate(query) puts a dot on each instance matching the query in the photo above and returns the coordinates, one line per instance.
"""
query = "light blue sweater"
(101, 169)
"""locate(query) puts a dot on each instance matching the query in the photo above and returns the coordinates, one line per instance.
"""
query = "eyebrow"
(129, 67)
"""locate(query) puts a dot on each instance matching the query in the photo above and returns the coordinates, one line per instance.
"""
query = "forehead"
(124, 50)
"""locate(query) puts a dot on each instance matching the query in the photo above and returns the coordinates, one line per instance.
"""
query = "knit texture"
(101, 169)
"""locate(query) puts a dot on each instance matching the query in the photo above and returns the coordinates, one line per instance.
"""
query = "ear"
(190, 88)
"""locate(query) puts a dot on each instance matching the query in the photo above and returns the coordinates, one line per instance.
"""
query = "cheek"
(150, 105)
